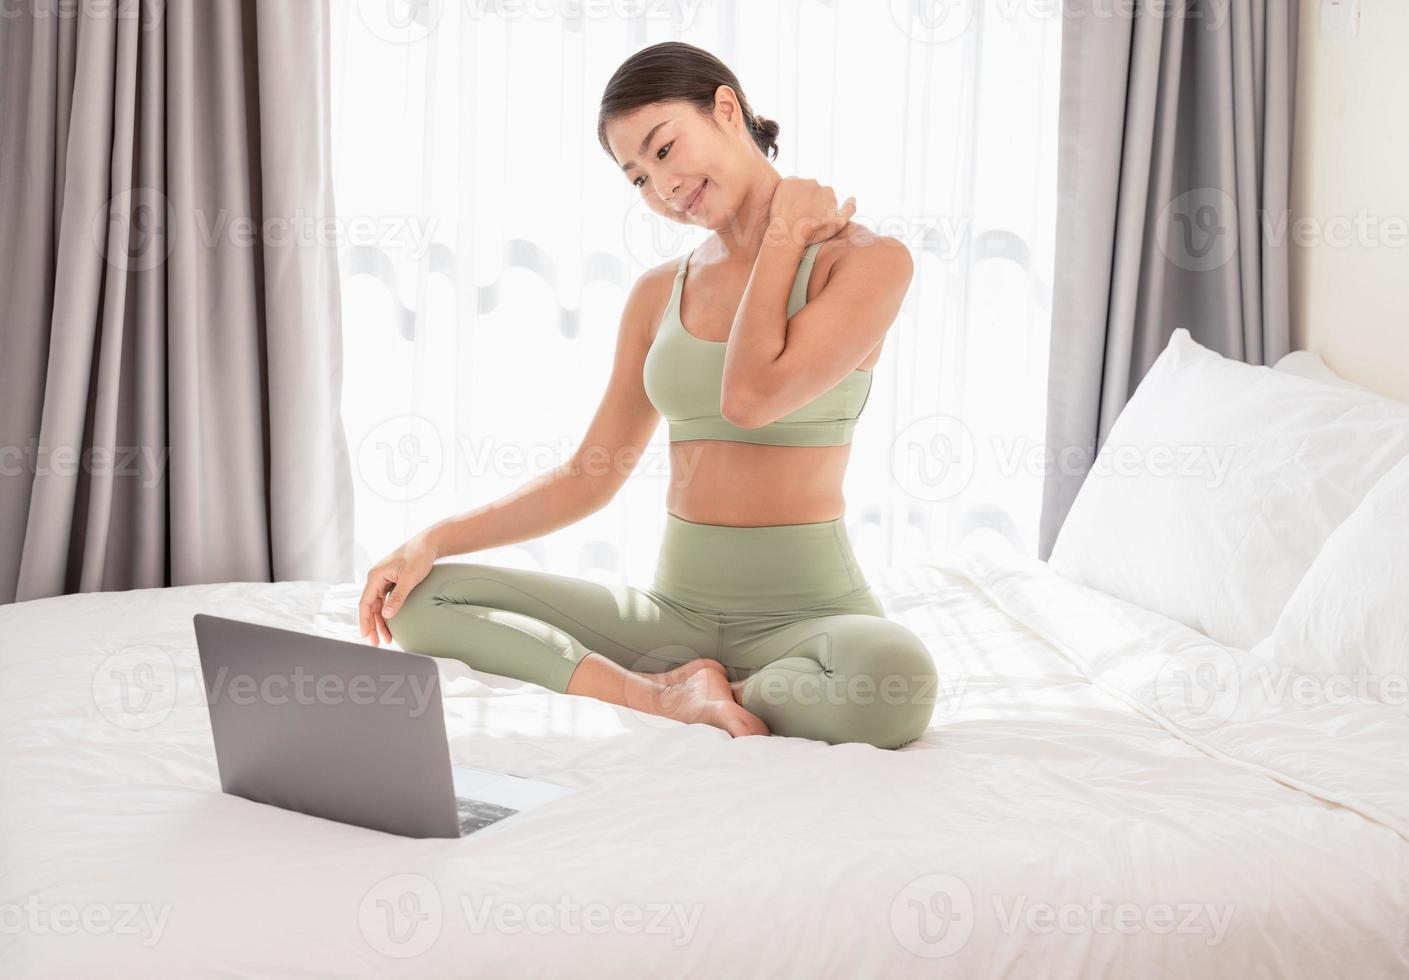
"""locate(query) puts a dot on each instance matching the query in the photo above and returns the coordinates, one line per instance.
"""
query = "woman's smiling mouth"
(694, 200)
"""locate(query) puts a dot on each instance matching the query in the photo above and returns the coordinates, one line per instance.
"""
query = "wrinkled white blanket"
(1103, 792)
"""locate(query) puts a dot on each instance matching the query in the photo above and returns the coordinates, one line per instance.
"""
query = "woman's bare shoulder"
(857, 240)
(854, 237)
(650, 293)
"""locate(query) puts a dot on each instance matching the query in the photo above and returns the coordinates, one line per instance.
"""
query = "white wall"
(1350, 298)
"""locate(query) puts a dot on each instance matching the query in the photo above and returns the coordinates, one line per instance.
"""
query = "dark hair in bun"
(674, 70)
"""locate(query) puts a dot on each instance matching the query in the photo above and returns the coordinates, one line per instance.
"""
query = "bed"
(1105, 790)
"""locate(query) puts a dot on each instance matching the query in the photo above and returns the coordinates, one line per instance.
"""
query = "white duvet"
(1103, 792)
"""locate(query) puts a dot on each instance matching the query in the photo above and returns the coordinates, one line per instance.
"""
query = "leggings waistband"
(770, 567)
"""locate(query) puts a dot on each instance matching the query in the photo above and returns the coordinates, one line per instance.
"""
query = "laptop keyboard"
(477, 814)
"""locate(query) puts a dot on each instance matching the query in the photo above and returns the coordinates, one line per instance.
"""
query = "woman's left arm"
(775, 365)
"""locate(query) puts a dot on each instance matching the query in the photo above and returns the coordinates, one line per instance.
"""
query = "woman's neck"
(742, 234)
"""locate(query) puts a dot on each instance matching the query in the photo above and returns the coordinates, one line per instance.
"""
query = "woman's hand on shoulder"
(401, 571)
(806, 211)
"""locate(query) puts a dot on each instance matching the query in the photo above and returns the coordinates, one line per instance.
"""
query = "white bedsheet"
(1063, 817)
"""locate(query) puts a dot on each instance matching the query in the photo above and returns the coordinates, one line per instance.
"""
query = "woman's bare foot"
(666, 678)
(705, 696)
(698, 691)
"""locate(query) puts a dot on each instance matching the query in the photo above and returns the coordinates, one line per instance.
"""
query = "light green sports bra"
(684, 375)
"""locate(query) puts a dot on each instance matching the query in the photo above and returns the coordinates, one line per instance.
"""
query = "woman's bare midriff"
(743, 483)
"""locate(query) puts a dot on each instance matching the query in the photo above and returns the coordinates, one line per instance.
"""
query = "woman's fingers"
(371, 610)
(398, 595)
(389, 582)
(844, 213)
(371, 593)
(382, 631)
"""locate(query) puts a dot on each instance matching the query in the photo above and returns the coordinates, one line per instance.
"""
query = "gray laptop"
(347, 731)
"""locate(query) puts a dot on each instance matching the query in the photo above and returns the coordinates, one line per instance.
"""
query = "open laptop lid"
(335, 729)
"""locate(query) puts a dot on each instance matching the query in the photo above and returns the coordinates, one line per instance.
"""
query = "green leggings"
(784, 607)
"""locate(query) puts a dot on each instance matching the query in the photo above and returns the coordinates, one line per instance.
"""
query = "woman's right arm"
(585, 483)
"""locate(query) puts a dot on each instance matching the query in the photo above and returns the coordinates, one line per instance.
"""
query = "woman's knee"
(863, 680)
(420, 603)
(894, 680)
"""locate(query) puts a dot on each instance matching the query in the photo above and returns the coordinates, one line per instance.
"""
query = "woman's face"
(677, 160)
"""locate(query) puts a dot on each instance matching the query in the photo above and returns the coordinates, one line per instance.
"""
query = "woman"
(758, 349)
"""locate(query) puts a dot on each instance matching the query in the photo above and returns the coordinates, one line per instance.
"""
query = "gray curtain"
(1174, 175)
(170, 360)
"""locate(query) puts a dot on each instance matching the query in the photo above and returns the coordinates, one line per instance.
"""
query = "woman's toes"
(685, 670)
(744, 722)
(705, 696)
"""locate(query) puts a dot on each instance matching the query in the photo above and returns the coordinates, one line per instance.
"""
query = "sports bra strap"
(797, 298)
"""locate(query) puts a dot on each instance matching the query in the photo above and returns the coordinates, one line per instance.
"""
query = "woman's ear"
(726, 104)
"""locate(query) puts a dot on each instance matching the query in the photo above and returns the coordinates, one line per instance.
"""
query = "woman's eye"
(659, 156)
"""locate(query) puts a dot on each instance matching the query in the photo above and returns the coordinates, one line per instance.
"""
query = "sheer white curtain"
(487, 246)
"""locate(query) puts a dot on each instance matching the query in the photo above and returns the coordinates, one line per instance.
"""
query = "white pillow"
(1349, 616)
(1309, 364)
(1218, 484)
